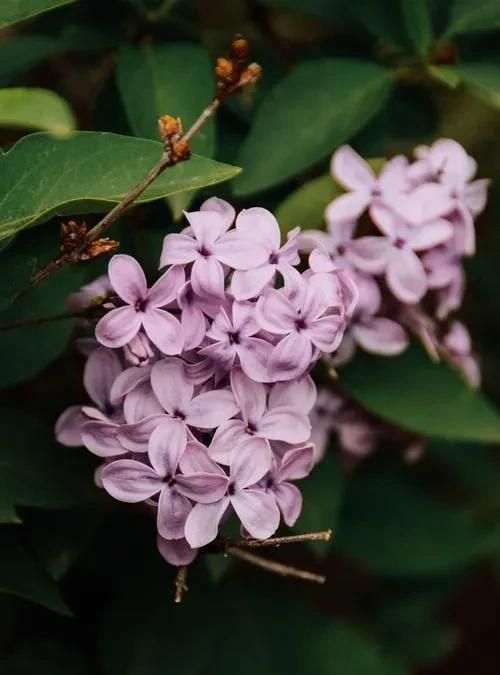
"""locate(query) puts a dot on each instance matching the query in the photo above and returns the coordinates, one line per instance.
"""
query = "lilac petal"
(171, 385)
(224, 209)
(101, 438)
(381, 336)
(275, 313)
(165, 289)
(227, 437)
(300, 393)
(69, 426)
(207, 277)
(259, 225)
(347, 207)
(178, 249)
(254, 355)
(431, 234)
(194, 326)
(258, 512)
(289, 502)
(176, 551)
(141, 403)
(321, 261)
(118, 327)
(203, 488)
(127, 278)
(221, 352)
(465, 234)
(166, 445)
(250, 396)
(200, 371)
(202, 524)
(326, 333)
(206, 225)
(135, 437)
(406, 276)
(250, 461)
(450, 159)
(285, 424)
(351, 170)
(195, 459)
(290, 358)
(173, 509)
(386, 219)
(244, 320)
(164, 330)
(247, 284)
(240, 253)
(476, 195)
(210, 409)
(102, 368)
(370, 254)
(127, 380)
(130, 481)
(370, 298)
(297, 463)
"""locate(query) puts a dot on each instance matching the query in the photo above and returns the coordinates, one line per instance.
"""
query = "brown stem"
(180, 583)
(325, 535)
(275, 567)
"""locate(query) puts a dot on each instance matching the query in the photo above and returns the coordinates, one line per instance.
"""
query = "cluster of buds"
(236, 72)
(200, 384)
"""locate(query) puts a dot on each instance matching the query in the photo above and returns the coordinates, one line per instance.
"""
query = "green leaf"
(318, 105)
(447, 75)
(390, 525)
(15, 272)
(411, 391)
(36, 471)
(8, 514)
(44, 656)
(322, 492)
(159, 80)
(22, 575)
(87, 173)
(306, 206)
(482, 79)
(12, 11)
(418, 25)
(471, 17)
(32, 108)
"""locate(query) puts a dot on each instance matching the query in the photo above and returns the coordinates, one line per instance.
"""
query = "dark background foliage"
(413, 567)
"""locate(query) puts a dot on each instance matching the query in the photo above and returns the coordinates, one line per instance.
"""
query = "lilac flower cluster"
(200, 384)
(416, 221)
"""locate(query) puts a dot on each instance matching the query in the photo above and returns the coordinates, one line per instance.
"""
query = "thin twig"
(326, 535)
(180, 583)
(235, 75)
(23, 323)
(275, 567)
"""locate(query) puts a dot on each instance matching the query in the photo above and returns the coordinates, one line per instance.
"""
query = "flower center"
(300, 324)
(204, 252)
(234, 338)
(341, 250)
(250, 428)
(230, 489)
(179, 415)
(399, 243)
(140, 305)
(376, 192)
(273, 259)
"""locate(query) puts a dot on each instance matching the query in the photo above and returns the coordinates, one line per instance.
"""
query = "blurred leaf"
(418, 25)
(383, 19)
(482, 79)
(32, 108)
(37, 471)
(158, 80)
(44, 656)
(22, 575)
(12, 11)
(391, 526)
(430, 399)
(323, 493)
(447, 75)
(15, 273)
(469, 17)
(173, 79)
(22, 52)
(318, 105)
(331, 10)
(87, 173)
(8, 514)
(306, 206)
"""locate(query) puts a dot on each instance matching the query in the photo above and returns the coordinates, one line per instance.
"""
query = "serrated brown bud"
(180, 151)
(72, 235)
(224, 70)
(251, 74)
(97, 248)
(240, 49)
(169, 127)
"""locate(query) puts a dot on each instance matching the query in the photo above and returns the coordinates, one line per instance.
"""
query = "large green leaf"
(468, 16)
(12, 11)
(33, 108)
(16, 270)
(482, 79)
(174, 79)
(86, 173)
(392, 526)
(418, 24)
(306, 206)
(421, 396)
(22, 575)
(318, 105)
(35, 470)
